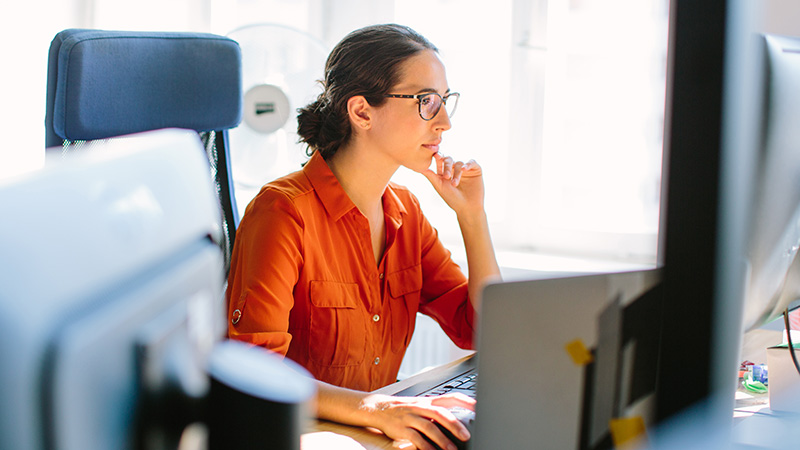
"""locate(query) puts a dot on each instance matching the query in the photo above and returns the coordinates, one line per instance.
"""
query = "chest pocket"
(337, 328)
(404, 288)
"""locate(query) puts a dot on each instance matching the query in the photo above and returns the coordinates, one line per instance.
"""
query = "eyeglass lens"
(429, 105)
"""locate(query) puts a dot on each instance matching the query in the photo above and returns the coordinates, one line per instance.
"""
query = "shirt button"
(380, 275)
(377, 360)
(376, 317)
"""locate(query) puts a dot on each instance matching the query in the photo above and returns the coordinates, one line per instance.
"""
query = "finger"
(454, 400)
(457, 170)
(437, 414)
(430, 432)
(413, 440)
(471, 169)
(403, 444)
(438, 157)
(449, 421)
(432, 177)
(447, 167)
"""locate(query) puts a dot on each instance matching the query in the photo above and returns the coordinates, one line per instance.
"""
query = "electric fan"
(281, 67)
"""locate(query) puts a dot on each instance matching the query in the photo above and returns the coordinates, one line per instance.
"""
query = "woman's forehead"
(423, 72)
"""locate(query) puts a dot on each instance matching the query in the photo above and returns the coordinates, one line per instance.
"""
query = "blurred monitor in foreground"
(111, 313)
(108, 263)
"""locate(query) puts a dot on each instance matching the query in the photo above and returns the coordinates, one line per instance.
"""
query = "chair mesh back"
(213, 142)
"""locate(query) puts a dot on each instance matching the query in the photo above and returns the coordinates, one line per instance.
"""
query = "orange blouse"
(304, 283)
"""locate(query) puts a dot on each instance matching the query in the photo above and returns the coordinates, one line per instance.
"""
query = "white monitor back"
(94, 249)
(772, 275)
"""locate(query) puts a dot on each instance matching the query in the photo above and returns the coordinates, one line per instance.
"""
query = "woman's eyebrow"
(431, 90)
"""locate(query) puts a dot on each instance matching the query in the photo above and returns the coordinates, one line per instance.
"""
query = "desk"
(756, 426)
(325, 435)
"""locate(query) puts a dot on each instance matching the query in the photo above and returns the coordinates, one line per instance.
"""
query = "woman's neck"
(363, 177)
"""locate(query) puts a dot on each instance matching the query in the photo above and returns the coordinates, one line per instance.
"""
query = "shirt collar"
(335, 199)
(393, 208)
(327, 187)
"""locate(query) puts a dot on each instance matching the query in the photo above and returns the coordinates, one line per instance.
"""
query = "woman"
(332, 263)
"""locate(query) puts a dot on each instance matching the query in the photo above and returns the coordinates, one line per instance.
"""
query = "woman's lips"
(433, 146)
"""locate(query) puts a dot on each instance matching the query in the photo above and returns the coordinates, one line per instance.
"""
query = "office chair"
(104, 84)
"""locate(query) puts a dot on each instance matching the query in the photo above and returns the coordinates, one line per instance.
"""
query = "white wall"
(781, 17)
(26, 29)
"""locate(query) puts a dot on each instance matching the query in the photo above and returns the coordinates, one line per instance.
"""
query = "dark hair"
(366, 62)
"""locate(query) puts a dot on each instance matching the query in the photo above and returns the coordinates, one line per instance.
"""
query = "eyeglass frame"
(419, 97)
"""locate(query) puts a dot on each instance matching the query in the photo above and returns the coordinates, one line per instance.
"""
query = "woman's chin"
(421, 167)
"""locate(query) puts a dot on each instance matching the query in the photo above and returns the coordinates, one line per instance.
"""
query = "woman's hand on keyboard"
(406, 420)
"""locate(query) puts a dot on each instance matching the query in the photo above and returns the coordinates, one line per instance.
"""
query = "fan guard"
(281, 67)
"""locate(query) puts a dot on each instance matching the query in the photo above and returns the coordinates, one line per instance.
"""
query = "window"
(562, 104)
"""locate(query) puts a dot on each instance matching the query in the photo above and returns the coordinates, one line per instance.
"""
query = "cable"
(789, 339)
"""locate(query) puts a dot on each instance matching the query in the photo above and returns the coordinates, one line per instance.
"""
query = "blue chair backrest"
(105, 84)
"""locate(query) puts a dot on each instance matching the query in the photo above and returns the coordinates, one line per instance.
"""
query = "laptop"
(559, 360)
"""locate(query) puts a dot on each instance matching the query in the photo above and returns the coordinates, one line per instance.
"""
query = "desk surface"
(762, 429)
(326, 435)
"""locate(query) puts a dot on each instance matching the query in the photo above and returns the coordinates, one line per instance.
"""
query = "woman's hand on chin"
(460, 184)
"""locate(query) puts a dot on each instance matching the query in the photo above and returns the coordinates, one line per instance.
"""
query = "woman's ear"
(360, 112)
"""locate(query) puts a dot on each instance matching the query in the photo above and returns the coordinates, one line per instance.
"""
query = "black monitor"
(731, 203)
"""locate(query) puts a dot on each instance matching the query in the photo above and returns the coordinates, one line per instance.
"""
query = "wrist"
(472, 218)
(368, 407)
(355, 407)
(341, 405)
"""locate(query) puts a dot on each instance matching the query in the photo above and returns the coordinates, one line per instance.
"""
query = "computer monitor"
(563, 361)
(774, 236)
(110, 291)
(731, 201)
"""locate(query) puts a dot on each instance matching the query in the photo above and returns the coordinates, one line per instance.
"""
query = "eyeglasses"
(430, 103)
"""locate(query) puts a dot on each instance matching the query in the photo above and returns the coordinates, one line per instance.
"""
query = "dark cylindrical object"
(257, 399)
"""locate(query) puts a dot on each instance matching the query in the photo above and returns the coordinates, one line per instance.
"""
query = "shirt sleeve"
(265, 265)
(445, 291)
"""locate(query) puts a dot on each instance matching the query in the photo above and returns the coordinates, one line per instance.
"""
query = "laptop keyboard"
(464, 383)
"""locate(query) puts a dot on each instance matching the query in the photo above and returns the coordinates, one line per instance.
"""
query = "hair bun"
(320, 128)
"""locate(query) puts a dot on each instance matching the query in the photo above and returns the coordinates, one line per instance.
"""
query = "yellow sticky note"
(626, 431)
(579, 353)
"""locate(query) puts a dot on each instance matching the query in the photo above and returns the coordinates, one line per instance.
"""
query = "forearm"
(481, 259)
(342, 405)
